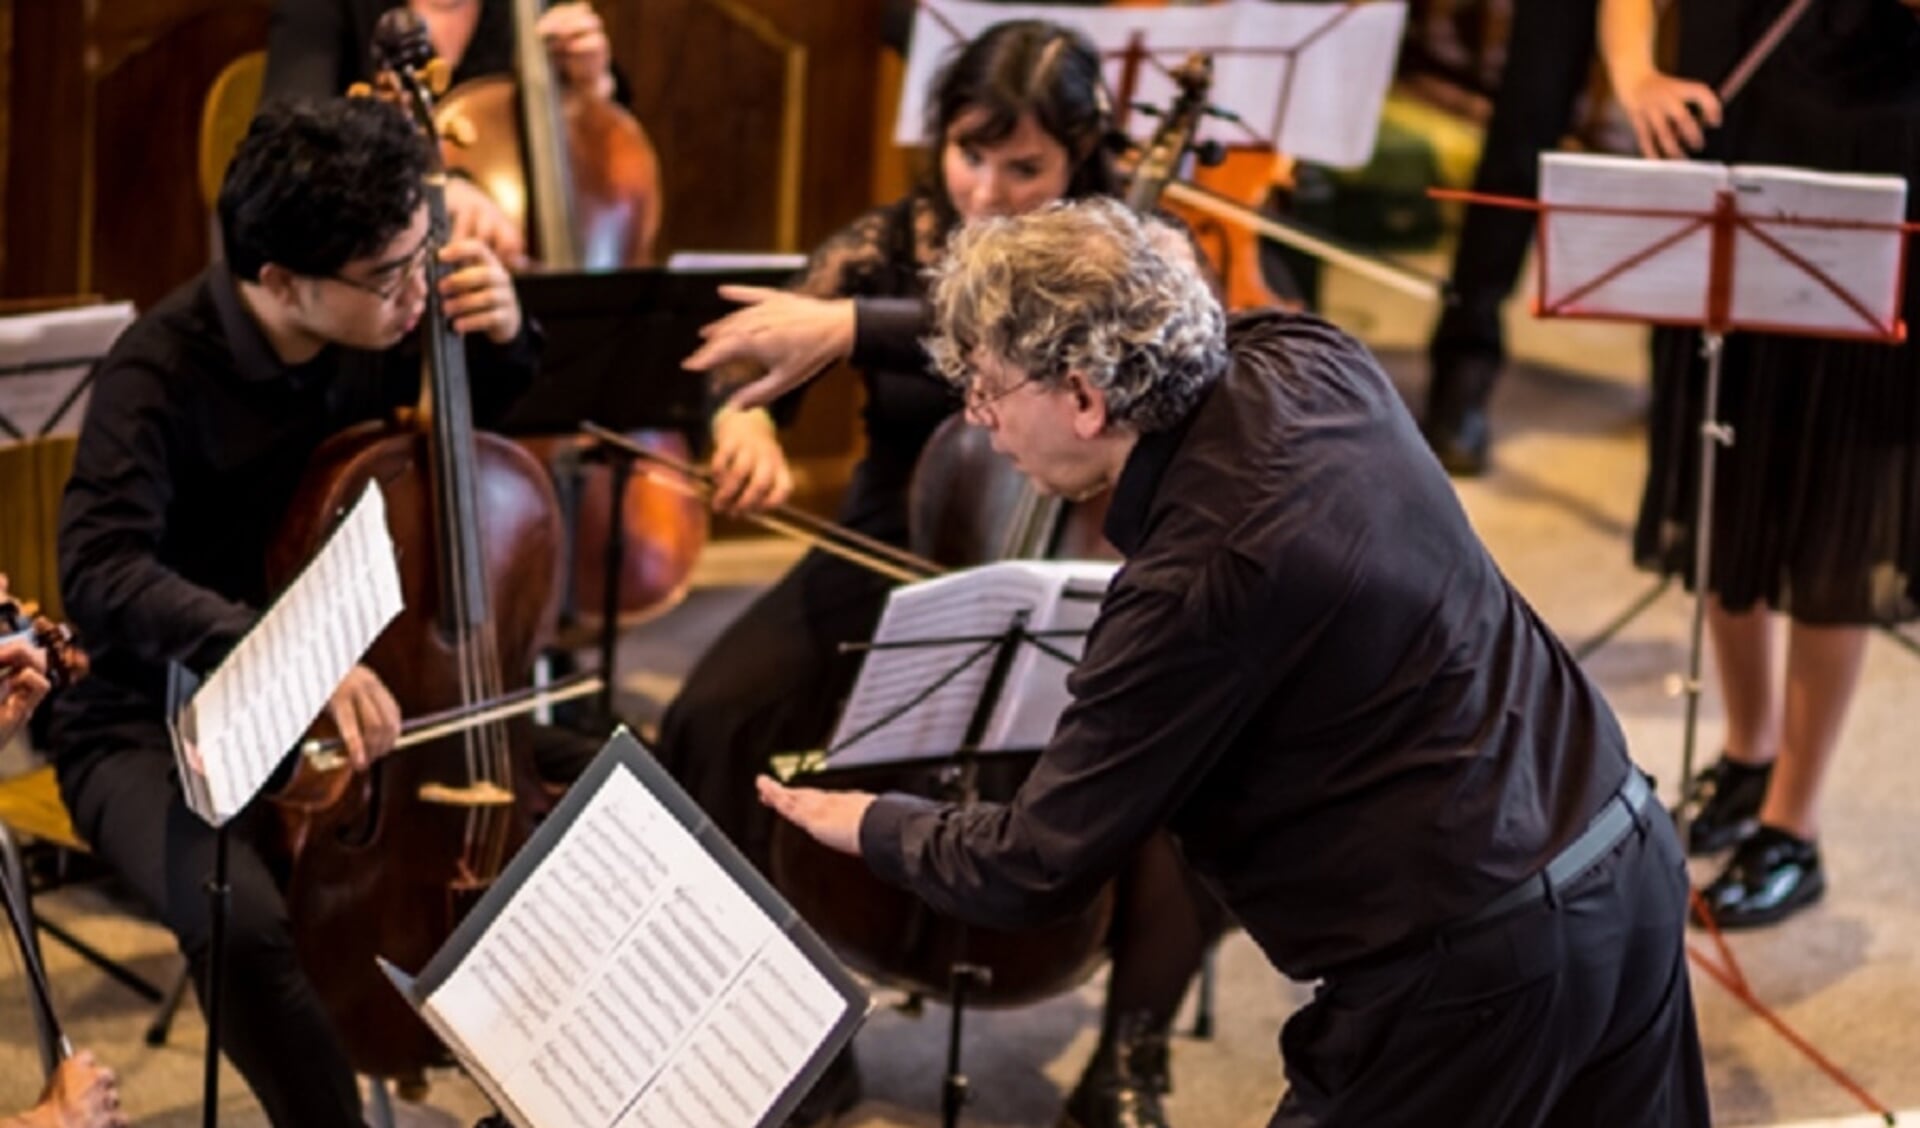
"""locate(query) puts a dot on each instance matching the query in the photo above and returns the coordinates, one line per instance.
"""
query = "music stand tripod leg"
(1621, 621)
(1713, 435)
(219, 894)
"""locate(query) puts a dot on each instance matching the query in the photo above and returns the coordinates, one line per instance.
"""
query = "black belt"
(1603, 833)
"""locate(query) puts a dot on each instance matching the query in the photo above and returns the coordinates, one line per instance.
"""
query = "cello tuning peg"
(1223, 113)
(438, 75)
(1209, 153)
(1147, 108)
(458, 131)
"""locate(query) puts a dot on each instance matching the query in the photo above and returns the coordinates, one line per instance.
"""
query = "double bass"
(580, 177)
(970, 505)
(388, 863)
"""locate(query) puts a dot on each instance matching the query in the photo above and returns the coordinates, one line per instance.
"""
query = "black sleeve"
(1159, 696)
(112, 519)
(501, 374)
(309, 51)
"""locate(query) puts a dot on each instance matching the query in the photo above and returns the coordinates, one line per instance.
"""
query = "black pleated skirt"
(1816, 507)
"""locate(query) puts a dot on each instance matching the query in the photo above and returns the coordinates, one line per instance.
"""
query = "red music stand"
(1724, 225)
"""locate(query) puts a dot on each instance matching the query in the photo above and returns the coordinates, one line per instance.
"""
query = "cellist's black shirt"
(195, 438)
(1309, 669)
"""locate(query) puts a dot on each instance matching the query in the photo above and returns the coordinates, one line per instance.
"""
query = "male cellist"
(202, 418)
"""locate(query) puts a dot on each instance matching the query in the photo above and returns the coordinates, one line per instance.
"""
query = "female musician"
(206, 413)
(1022, 118)
(318, 48)
(1815, 517)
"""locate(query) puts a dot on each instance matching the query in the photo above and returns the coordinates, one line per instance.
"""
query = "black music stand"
(614, 343)
(960, 772)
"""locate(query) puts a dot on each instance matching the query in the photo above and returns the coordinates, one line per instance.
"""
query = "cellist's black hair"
(1020, 67)
(316, 184)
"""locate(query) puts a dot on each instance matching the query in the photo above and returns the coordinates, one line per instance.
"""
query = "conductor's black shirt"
(1308, 668)
(195, 438)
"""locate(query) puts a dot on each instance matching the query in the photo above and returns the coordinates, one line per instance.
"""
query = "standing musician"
(318, 48)
(82, 1093)
(204, 416)
(1022, 118)
(1311, 671)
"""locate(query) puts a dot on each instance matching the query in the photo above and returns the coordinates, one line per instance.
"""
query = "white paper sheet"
(38, 403)
(1309, 79)
(1056, 594)
(1774, 290)
(259, 702)
(630, 981)
(1581, 248)
(1768, 290)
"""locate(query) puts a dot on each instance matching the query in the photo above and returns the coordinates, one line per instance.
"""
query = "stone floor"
(1556, 512)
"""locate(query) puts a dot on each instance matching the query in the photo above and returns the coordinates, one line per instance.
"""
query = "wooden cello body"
(388, 862)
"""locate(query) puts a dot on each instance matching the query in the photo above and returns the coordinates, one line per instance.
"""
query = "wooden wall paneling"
(50, 113)
(156, 61)
(762, 111)
(105, 102)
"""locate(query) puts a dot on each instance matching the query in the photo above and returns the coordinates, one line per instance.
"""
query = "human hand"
(576, 40)
(478, 295)
(367, 716)
(792, 336)
(831, 817)
(23, 684)
(23, 678)
(1662, 111)
(81, 1094)
(750, 471)
(473, 215)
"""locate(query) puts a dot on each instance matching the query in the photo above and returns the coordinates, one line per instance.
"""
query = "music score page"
(627, 978)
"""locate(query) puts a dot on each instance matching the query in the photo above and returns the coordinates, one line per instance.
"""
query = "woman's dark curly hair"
(1020, 67)
(317, 184)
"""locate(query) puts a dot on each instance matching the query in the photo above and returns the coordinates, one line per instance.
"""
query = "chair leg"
(162, 1024)
(114, 968)
(14, 874)
(379, 1103)
(1203, 1000)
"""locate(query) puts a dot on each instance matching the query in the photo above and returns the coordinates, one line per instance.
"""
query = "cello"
(970, 505)
(581, 178)
(391, 863)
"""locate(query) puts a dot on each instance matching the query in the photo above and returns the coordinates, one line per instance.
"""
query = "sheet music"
(1311, 82)
(53, 401)
(260, 701)
(1773, 290)
(631, 980)
(710, 262)
(1671, 285)
(975, 602)
(1768, 291)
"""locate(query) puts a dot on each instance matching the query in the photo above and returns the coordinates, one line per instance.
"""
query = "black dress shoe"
(1455, 422)
(837, 1091)
(1771, 876)
(1124, 1082)
(1723, 804)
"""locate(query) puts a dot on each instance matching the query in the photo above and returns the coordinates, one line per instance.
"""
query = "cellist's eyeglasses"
(392, 278)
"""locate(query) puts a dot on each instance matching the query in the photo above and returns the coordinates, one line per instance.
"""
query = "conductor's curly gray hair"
(1083, 286)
